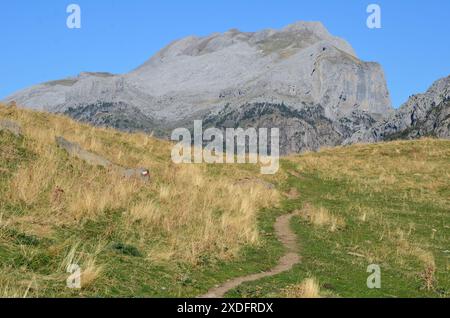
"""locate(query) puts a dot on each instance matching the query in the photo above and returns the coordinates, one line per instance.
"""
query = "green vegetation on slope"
(385, 204)
(196, 226)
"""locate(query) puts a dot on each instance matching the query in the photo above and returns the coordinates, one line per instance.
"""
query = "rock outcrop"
(423, 115)
(75, 150)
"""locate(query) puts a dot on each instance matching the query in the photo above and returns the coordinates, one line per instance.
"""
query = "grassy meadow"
(386, 204)
(195, 226)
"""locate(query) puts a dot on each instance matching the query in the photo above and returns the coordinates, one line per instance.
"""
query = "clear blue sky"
(413, 45)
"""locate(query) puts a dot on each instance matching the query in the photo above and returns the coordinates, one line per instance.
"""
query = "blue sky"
(413, 45)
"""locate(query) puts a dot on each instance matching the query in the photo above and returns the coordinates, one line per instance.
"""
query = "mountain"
(301, 77)
(423, 115)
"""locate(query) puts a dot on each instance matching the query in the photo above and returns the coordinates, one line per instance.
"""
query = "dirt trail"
(289, 259)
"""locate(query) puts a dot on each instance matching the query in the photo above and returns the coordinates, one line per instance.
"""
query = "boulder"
(75, 150)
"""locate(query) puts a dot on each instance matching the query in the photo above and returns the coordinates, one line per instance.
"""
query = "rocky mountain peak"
(300, 71)
(296, 36)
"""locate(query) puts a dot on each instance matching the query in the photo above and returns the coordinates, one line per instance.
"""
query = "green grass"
(325, 254)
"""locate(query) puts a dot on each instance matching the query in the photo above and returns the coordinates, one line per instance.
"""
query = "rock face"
(422, 115)
(312, 83)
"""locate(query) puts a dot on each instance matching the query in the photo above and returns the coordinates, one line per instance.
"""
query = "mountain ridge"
(302, 67)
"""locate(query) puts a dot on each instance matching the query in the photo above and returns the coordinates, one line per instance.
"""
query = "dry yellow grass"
(407, 248)
(12, 291)
(320, 216)
(424, 169)
(184, 212)
(309, 288)
(90, 272)
(199, 213)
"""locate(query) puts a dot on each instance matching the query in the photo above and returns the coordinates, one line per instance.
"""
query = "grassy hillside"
(130, 238)
(194, 226)
(386, 204)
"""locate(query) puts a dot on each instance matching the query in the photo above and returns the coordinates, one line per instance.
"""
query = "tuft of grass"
(90, 271)
(309, 288)
(321, 217)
